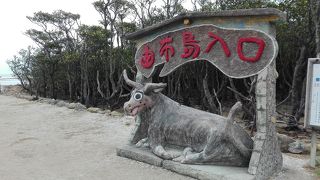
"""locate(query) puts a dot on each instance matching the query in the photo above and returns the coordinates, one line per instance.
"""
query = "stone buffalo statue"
(205, 138)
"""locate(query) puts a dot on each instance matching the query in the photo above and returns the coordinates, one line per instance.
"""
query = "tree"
(315, 9)
(172, 7)
(21, 66)
(145, 12)
(84, 63)
(57, 35)
(296, 44)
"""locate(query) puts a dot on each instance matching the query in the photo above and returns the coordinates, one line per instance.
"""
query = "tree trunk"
(111, 78)
(168, 9)
(81, 81)
(37, 90)
(98, 86)
(297, 81)
(69, 83)
(87, 89)
(53, 86)
(318, 37)
(44, 83)
(315, 8)
(212, 107)
(299, 113)
(30, 85)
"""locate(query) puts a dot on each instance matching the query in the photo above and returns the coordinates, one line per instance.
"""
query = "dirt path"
(44, 142)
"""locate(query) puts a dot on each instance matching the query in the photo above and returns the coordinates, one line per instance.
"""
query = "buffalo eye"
(138, 96)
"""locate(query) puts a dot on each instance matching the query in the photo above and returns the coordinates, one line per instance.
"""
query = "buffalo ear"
(157, 90)
(154, 87)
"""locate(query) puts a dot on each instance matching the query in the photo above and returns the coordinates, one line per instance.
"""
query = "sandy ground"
(43, 142)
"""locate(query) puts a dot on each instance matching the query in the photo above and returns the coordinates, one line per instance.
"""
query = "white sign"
(312, 105)
(315, 96)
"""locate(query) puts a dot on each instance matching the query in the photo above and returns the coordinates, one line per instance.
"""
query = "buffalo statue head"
(142, 96)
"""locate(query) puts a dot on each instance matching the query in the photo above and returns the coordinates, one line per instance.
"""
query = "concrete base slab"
(202, 172)
(139, 154)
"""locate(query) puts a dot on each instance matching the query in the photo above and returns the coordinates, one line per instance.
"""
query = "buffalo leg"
(200, 157)
(186, 151)
(209, 152)
(161, 152)
(143, 143)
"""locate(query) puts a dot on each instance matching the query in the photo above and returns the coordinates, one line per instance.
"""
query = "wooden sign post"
(312, 107)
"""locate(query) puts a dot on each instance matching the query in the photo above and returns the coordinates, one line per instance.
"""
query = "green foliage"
(21, 66)
(94, 37)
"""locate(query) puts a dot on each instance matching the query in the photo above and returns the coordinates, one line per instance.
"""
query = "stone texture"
(79, 107)
(296, 147)
(266, 160)
(140, 129)
(61, 103)
(93, 109)
(107, 112)
(41, 100)
(231, 66)
(284, 142)
(116, 113)
(207, 138)
(52, 101)
(277, 14)
(71, 105)
(208, 172)
(202, 172)
(139, 154)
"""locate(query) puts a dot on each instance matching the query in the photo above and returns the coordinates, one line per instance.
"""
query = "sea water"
(8, 79)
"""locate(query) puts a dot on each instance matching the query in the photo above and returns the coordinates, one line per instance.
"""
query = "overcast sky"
(14, 22)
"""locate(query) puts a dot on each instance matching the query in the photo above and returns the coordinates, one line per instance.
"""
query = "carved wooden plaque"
(238, 53)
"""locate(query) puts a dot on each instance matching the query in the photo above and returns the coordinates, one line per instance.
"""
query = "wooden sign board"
(312, 105)
(238, 53)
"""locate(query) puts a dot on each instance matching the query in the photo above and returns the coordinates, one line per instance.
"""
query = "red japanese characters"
(147, 59)
(221, 41)
(192, 49)
(258, 41)
(166, 49)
